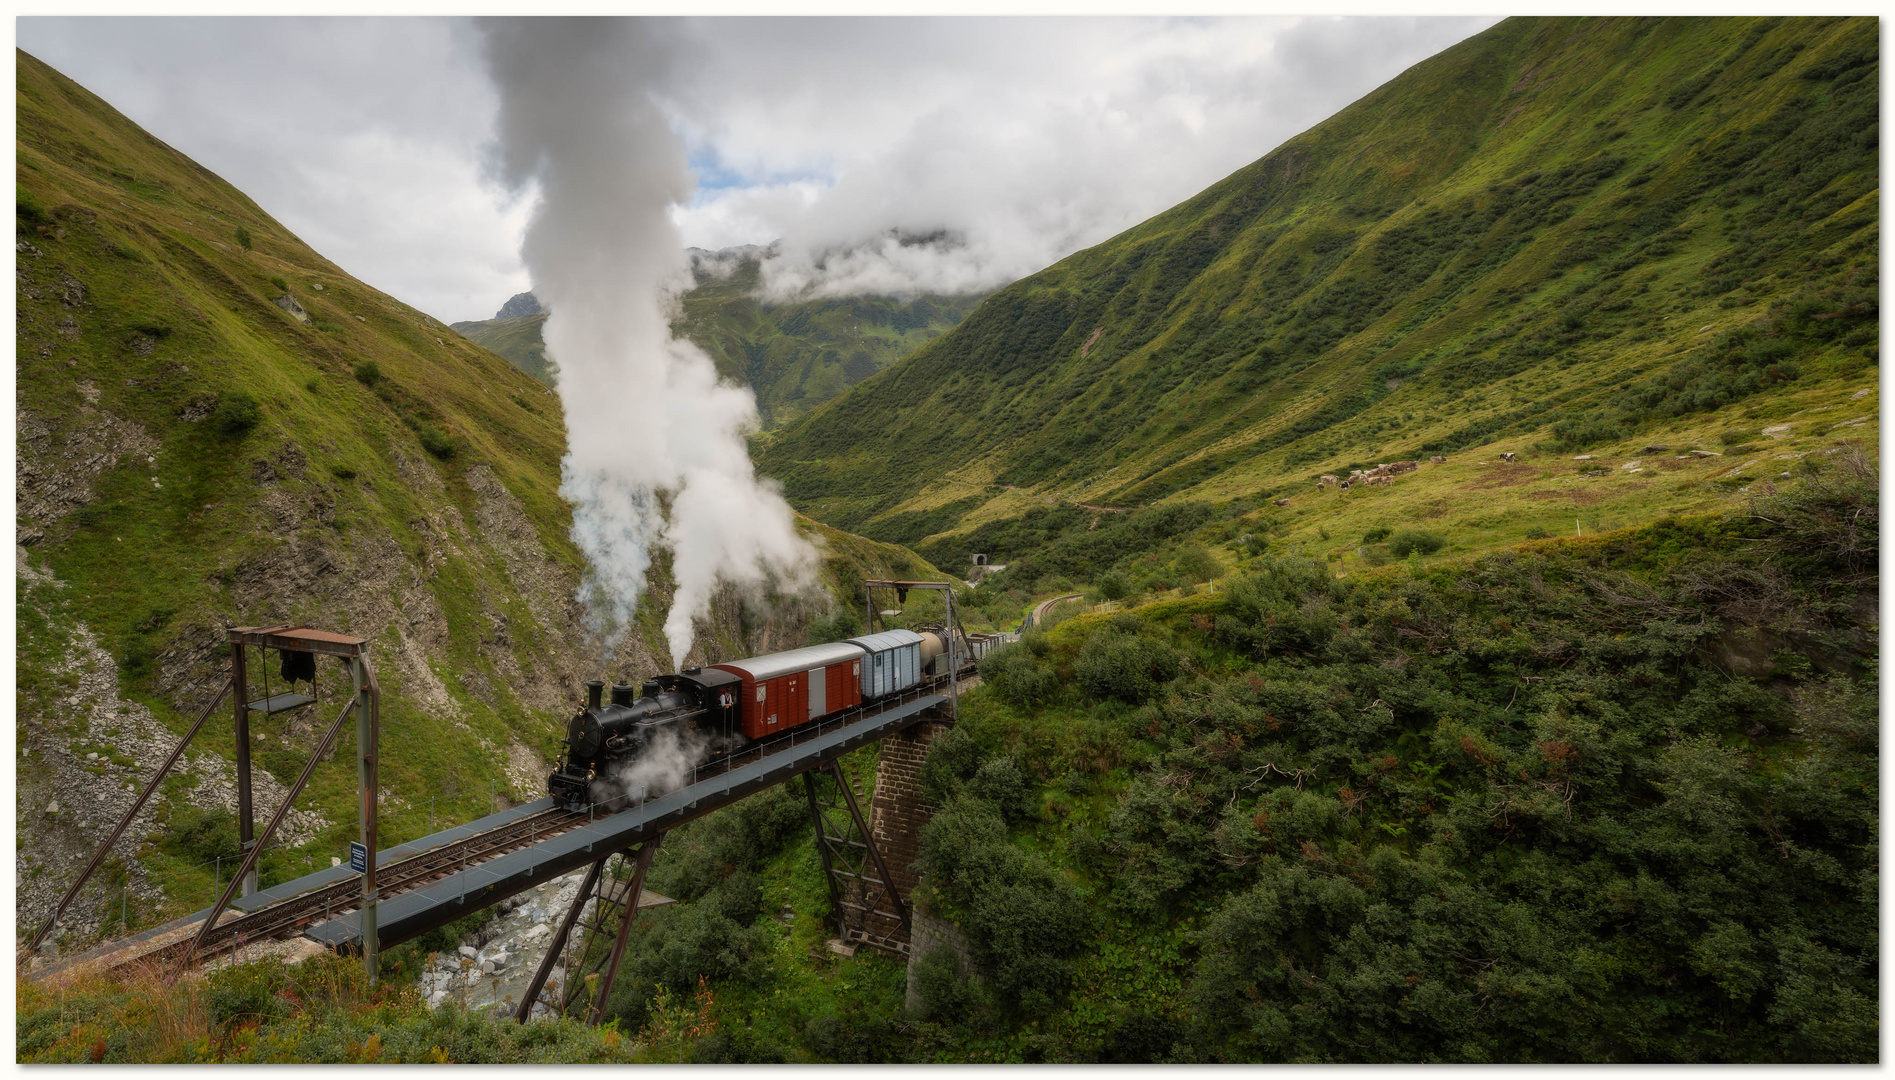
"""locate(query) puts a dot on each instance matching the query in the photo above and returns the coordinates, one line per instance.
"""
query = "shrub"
(1000, 782)
(368, 373)
(839, 625)
(248, 992)
(1142, 1038)
(281, 285)
(739, 1047)
(1198, 565)
(1114, 585)
(1580, 433)
(1128, 667)
(1537, 533)
(135, 654)
(446, 936)
(203, 835)
(1828, 521)
(1376, 535)
(953, 757)
(1023, 920)
(942, 994)
(1019, 677)
(236, 412)
(243, 238)
(1415, 540)
(436, 442)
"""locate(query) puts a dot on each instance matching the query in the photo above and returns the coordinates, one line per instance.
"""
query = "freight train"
(704, 713)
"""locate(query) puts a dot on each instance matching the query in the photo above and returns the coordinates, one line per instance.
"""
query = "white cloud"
(1024, 139)
(362, 136)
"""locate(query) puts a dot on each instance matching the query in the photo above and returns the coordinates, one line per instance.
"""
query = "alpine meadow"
(1427, 589)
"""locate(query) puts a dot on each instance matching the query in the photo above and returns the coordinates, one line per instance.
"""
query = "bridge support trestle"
(590, 965)
(857, 873)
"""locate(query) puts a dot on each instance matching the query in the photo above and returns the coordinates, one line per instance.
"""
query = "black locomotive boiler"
(695, 711)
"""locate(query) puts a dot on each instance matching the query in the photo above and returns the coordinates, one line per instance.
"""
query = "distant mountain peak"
(522, 305)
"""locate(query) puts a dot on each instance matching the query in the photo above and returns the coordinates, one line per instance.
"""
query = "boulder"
(288, 303)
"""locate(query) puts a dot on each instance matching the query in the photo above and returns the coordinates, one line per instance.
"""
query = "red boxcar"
(785, 689)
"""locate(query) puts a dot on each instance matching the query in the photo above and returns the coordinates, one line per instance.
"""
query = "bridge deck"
(482, 884)
(401, 917)
(117, 953)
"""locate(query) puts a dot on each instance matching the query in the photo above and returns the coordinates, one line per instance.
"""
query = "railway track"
(291, 916)
(319, 905)
(1041, 609)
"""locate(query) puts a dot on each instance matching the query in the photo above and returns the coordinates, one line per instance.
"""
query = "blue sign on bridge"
(358, 857)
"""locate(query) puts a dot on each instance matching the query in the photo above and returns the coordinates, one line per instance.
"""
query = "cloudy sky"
(1012, 141)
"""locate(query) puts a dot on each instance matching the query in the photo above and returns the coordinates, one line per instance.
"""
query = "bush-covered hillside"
(1559, 237)
(1600, 800)
(1605, 800)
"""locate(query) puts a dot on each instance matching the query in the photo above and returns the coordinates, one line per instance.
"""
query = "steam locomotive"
(614, 746)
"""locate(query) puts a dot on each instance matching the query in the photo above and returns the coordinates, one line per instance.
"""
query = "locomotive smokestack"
(595, 689)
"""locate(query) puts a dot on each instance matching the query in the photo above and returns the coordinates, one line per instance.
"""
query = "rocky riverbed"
(490, 968)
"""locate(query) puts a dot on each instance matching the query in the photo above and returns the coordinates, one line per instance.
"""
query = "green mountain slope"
(798, 356)
(519, 340)
(217, 426)
(1558, 237)
(795, 356)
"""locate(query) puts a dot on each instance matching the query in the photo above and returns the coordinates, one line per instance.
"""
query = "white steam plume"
(664, 765)
(645, 413)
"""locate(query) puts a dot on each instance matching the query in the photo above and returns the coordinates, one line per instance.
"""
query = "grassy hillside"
(217, 426)
(517, 339)
(795, 356)
(798, 356)
(1623, 238)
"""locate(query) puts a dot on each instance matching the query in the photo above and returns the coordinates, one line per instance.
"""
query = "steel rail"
(343, 897)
